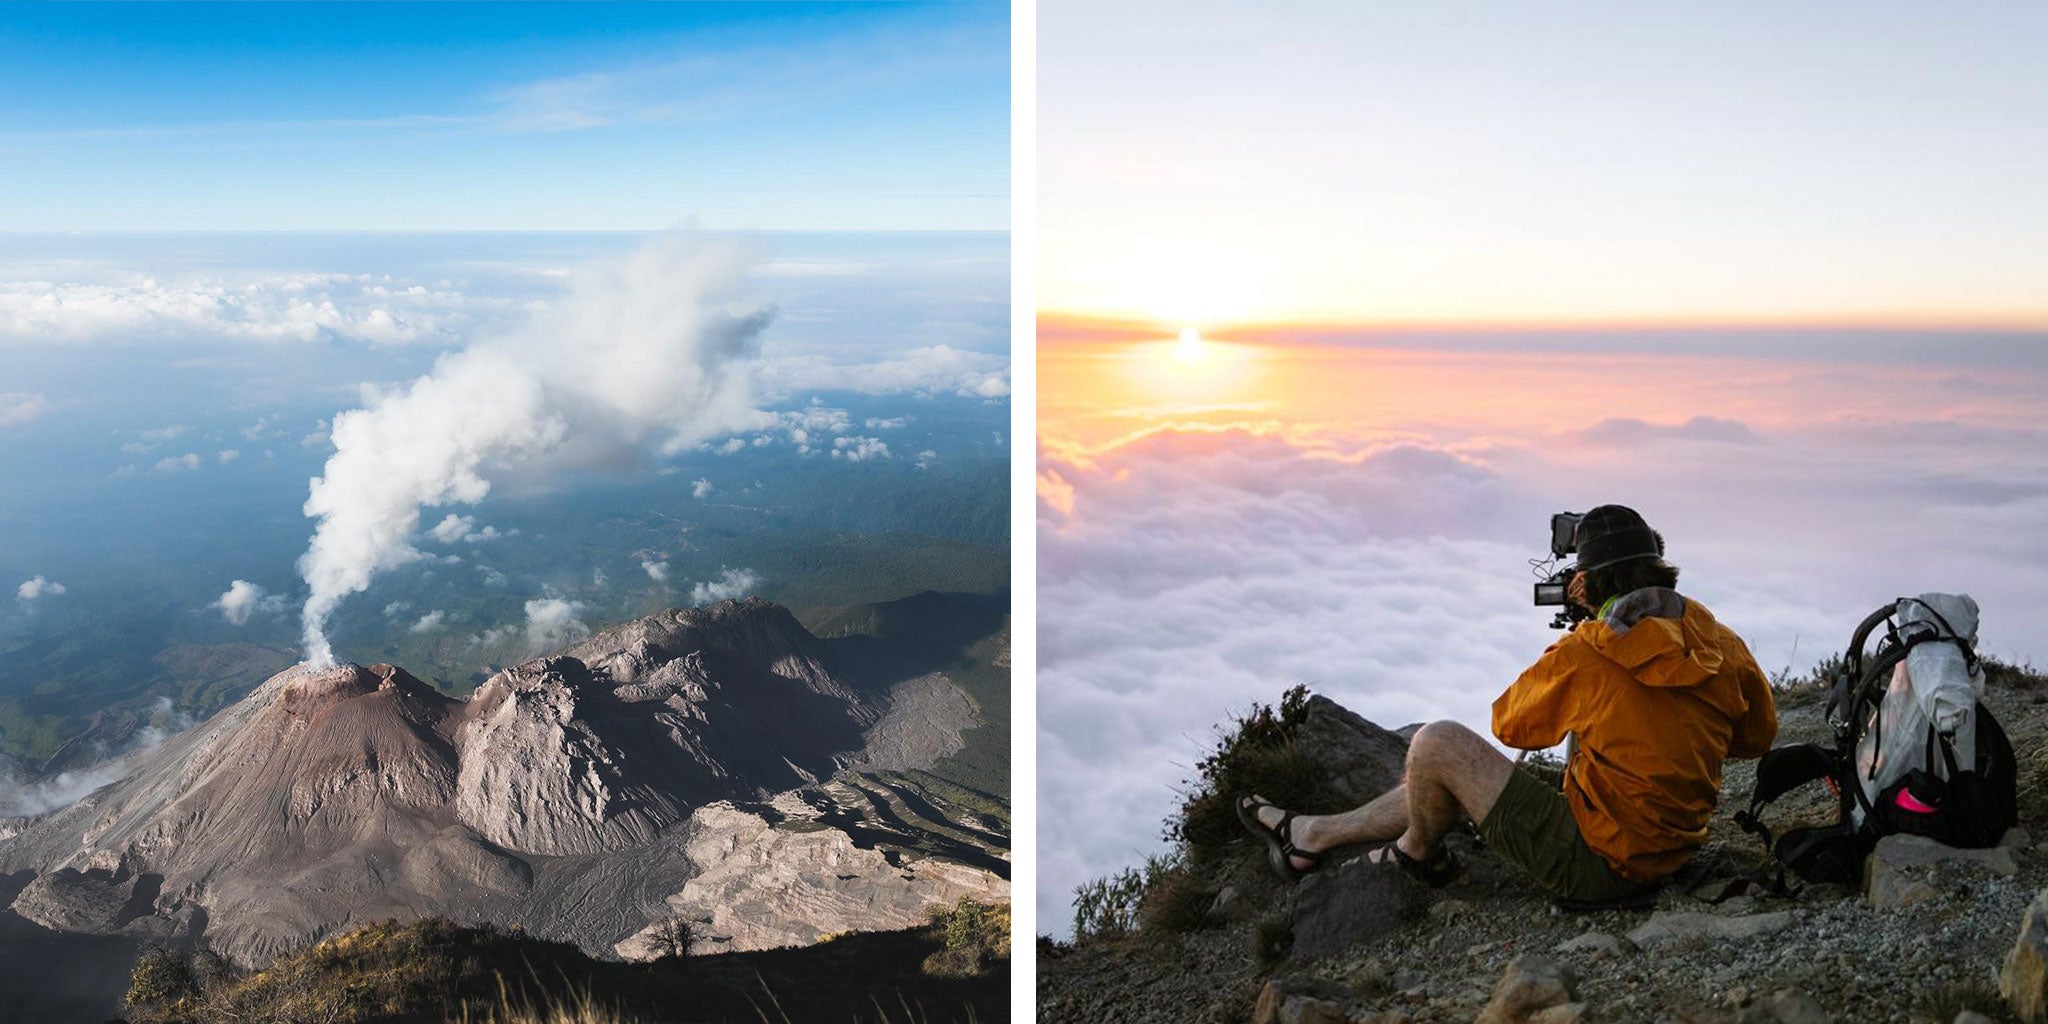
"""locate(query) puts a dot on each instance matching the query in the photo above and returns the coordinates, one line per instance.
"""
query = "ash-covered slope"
(561, 795)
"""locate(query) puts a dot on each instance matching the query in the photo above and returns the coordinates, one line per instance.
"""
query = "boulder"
(1533, 984)
(1904, 870)
(2023, 980)
(1667, 928)
(1348, 903)
(1364, 759)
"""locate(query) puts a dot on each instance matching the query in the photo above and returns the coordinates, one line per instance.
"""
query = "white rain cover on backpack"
(1933, 687)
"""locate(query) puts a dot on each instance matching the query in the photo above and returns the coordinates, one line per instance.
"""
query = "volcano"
(677, 767)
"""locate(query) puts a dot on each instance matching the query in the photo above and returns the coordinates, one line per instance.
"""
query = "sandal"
(1437, 872)
(1280, 849)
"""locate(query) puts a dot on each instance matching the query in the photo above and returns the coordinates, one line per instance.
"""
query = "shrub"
(161, 976)
(975, 935)
(1176, 899)
(671, 939)
(1255, 754)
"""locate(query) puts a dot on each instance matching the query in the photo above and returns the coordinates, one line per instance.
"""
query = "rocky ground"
(1355, 943)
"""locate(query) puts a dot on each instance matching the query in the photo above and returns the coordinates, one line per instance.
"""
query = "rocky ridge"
(578, 796)
(1927, 941)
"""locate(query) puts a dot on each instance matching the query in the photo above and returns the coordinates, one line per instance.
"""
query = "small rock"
(1735, 997)
(2013, 839)
(2023, 980)
(1563, 1013)
(1447, 911)
(1300, 1001)
(1370, 977)
(1667, 927)
(1788, 1006)
(1904, 870)
(1593, 943)
(1531, 983)
(1229, 904)
(1972, 1017)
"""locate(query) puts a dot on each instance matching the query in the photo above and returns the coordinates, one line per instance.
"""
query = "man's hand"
(1575, 592)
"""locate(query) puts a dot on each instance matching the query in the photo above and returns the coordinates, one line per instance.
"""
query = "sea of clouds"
(1187, 572)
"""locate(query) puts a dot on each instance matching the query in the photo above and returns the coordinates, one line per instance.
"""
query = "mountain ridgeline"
(721, 767)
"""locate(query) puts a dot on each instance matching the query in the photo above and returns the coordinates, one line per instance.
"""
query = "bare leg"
(1452, 773)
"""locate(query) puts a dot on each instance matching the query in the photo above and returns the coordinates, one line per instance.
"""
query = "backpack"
(1915, 750)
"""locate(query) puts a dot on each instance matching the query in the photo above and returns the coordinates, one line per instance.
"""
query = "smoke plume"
(642, 351)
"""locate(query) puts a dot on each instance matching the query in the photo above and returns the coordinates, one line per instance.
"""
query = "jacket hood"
(1659, 637)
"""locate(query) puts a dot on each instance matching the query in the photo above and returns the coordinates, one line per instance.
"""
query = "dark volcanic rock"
(1350, 902)
(1364, 760)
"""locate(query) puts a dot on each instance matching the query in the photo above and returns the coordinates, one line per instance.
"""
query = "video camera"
(1551, 588)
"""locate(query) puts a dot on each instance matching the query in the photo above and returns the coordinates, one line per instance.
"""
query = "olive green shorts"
(1531, 827)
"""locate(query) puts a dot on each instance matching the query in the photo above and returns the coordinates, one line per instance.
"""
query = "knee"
(1435, 740)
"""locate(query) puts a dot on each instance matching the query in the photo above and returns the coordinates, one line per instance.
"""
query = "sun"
(1191, 348)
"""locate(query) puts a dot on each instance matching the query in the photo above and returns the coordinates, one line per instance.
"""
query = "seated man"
(1657, 694)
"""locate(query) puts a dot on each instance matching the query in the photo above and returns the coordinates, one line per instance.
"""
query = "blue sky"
(504, 117)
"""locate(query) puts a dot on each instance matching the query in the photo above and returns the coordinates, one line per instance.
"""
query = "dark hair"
(1624, 577)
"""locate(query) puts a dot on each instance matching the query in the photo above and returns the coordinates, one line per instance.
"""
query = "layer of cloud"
(37, 588)
(178, 463)
(729, 584)
(244, 600)
(701, 489)
(428, 623)
(270, 308)
(1184, 573)
(656, 571)
(934, 369)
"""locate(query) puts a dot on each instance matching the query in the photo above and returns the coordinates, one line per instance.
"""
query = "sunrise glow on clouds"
(1455, 271)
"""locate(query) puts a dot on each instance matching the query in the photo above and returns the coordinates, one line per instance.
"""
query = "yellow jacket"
(1658, 694)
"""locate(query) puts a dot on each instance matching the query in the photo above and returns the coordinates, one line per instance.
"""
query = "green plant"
(975, 936)
(1109, 906)
(161, 976)
(1256, 753)
(1176, 899)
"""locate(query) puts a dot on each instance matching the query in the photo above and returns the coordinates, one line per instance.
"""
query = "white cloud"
(552, 623)
(936, 369)
(732, 446)
(261, 430)
(642, 353)
(267, 308)
(37, 587)
(893, 423)
(19, 407)
(21, 797)
(857, 449)
(731, 583)
(176, 463)
(391, 610)
(244, 599)
(700, 488)
(926, 458)
(656, 571)
(229, 455)
(428, 623)
(165, 433)
(460, 529)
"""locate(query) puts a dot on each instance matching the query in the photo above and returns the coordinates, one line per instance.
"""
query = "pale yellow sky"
(1213, 164)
